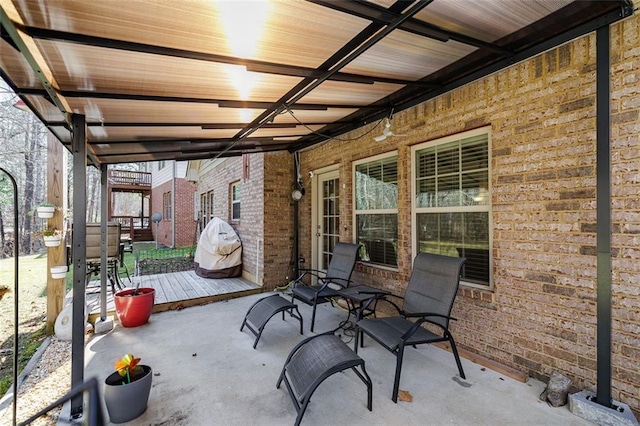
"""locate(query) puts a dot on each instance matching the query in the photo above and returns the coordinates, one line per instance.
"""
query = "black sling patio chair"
(428, 299)
(336, 277)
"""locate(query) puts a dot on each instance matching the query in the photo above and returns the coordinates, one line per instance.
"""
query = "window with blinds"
(452, 211)
(376, 209)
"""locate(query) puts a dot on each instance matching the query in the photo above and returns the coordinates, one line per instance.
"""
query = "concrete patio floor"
(206, 373)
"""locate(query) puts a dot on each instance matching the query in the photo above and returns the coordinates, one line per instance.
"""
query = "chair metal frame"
(262, 310)
(115, 253)
(428, 299)
(336, 277)
(327, 355)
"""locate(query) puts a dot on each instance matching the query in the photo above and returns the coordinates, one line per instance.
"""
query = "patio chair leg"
(367, 381)
(300, 318)
(313, 316)
(455, 354)
(396, 380)
(358, 337)
(301, 411)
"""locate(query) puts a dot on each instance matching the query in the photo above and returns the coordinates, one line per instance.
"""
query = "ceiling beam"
(182, 140)
(379, 14)
(222, 103)
(205, 126)
(119, 158)
(34, 58)
(250, 64)
(477, 66)
(369, 36)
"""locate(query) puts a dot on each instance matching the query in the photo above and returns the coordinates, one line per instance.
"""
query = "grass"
(143, 250)
(32, 308)
(28, 345)
(5, 384)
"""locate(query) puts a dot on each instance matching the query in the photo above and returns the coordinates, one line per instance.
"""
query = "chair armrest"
(374, 292)
(422, 318)
(315, 272)
(304, 273)
(380, 299)
(330, 280)
(324, 281)
(426, 315)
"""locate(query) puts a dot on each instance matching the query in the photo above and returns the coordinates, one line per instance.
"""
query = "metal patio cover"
(202, 79)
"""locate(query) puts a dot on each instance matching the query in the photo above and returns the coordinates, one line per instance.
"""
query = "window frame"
(166, 206)
(206, 207)
(233, 201)
(488, 208)
(210, 203)
(357, 212)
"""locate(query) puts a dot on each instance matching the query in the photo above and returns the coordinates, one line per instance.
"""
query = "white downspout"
(258, 279)
(173, 207)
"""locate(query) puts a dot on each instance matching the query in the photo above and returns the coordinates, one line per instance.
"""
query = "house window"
(166, 205)
(235, 201)
(206, 207)
(210, 195)
(452, 210)
(161, 164)
(376, 209)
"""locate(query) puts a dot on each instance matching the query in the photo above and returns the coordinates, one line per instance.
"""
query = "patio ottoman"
(261, 312)
(312, 361)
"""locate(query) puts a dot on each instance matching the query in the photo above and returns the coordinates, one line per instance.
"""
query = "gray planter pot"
(128, 401)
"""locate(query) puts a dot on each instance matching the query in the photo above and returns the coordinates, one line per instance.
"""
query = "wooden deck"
(175, 290)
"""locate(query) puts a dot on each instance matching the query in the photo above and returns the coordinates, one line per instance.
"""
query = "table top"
(360, 293)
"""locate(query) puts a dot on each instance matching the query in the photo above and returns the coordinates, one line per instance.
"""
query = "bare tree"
(22, 153)
(93, 195)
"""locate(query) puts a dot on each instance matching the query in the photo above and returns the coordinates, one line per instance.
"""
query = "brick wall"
(250, 226)
(183, 214)
(278, 218)
(266, 219)
(540, 315)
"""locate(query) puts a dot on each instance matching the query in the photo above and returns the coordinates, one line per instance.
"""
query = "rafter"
(251, 65)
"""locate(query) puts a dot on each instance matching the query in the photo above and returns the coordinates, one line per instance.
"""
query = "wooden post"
(56, 194)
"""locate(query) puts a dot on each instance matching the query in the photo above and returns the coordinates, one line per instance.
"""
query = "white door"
(326, 217)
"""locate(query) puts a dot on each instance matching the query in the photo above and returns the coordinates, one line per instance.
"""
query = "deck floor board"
(174, 290)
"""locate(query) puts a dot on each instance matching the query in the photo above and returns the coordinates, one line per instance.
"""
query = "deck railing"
(132, 222)
(130, 178)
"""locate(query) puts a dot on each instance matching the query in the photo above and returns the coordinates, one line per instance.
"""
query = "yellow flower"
(127, 366)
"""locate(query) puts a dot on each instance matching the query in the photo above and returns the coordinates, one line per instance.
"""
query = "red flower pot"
(134, 309)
